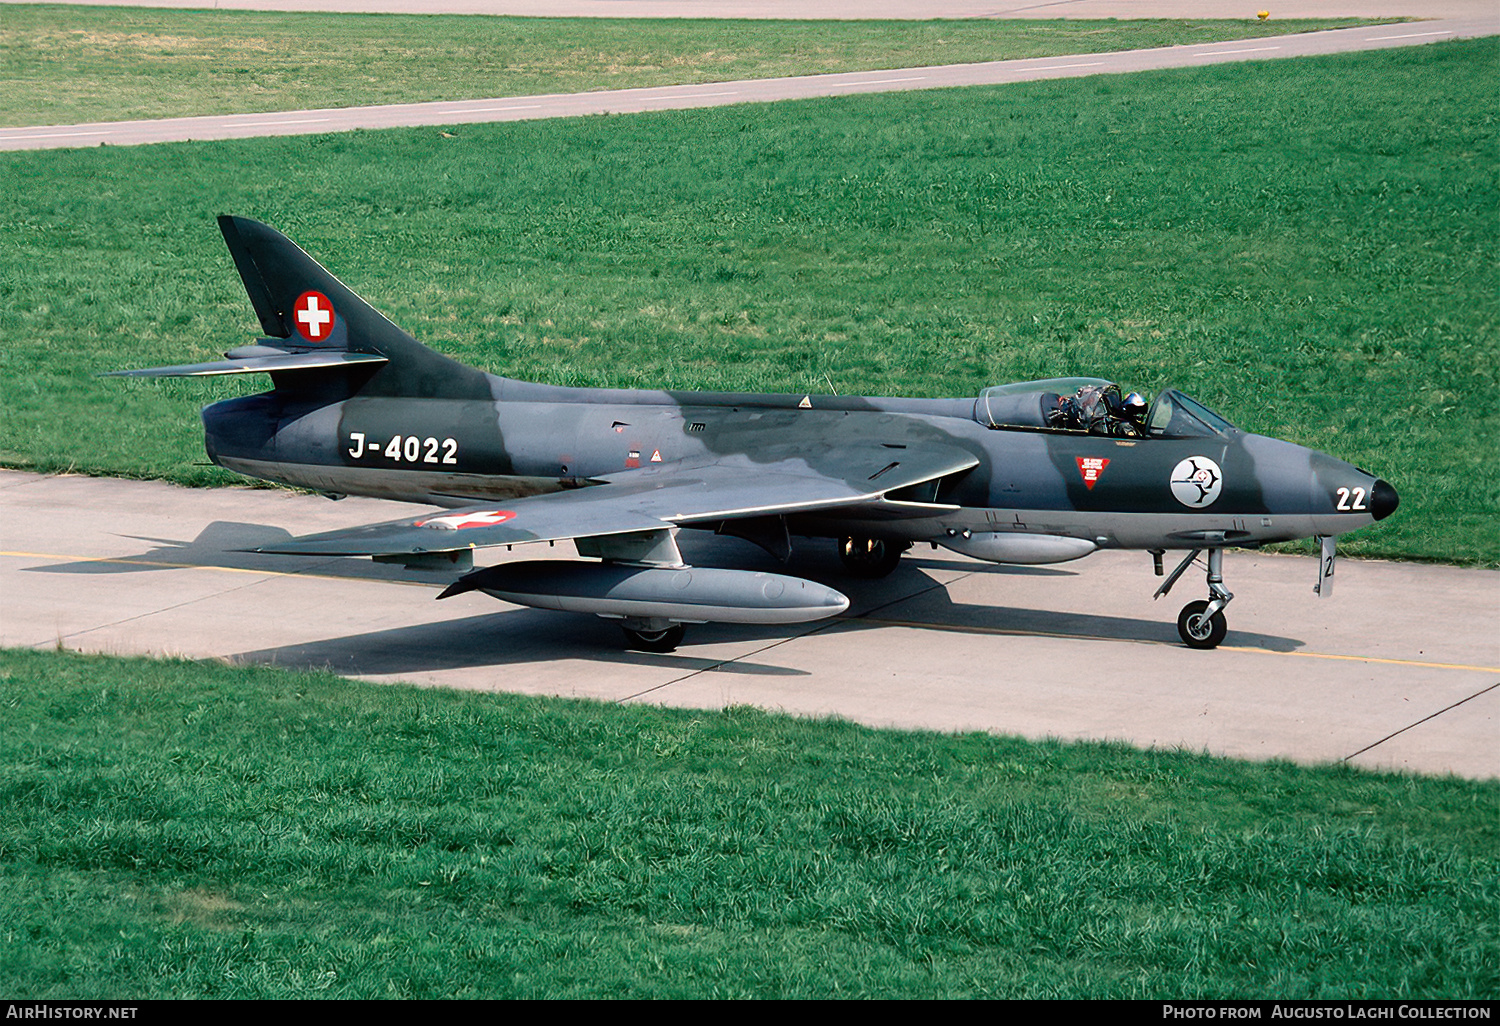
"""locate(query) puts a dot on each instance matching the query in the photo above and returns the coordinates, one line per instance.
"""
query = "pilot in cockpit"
(1101, 411)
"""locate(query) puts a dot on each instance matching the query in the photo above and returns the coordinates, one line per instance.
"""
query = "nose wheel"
(1201, 624)
(1199, 628)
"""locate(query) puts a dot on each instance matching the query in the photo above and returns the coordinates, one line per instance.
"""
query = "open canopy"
(1026, 404)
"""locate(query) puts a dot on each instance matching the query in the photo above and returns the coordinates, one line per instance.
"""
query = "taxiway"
(717, 94)
(1398, 670)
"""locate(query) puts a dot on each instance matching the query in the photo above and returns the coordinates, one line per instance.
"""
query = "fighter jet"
(360, 407)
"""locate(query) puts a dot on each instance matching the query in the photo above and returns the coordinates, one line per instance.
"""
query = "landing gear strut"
(1201, 624)
(870, 557)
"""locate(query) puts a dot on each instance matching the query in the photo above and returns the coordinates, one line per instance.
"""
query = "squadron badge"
(1197, 481)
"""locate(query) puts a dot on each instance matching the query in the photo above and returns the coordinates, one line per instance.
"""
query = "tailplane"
(319, 333)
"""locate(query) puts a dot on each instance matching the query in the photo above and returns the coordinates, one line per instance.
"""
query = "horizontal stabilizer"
(253, 365)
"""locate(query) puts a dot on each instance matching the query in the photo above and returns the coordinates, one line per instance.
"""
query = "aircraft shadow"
(512, 638)
(220, 544)
(212, 547)
(935, 609)
(508, 638)
(520, 636)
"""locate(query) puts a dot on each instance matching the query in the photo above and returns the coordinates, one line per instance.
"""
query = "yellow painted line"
(1011, 632)
(1368, 659)
(221, 569)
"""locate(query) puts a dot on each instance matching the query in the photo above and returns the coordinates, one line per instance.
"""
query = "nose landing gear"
(1201, 624)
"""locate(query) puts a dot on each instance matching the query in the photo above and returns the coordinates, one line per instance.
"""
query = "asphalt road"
(1399, 669)
(625, 101)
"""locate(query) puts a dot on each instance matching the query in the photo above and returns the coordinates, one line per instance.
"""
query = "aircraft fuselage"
(532, 439)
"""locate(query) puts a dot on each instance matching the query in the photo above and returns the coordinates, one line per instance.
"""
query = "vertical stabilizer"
(297, 300)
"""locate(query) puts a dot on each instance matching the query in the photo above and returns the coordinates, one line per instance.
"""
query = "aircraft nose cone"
(1383, 500)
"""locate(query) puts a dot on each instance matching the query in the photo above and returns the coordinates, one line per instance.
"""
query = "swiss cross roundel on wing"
(313, 316)
(473, 518)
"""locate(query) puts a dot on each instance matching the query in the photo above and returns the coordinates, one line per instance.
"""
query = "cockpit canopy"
(1025, 405)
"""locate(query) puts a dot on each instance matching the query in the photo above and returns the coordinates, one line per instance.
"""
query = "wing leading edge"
(808, 479)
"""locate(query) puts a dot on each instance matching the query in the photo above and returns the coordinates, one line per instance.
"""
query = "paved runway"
(714, 94)
(1399, 669)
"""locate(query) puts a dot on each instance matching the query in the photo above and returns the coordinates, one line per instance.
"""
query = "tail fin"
(324, 342)
(297, 300)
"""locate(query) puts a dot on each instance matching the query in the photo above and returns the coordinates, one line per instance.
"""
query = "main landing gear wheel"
(664, 640)
(869, 557)
(1199, 631)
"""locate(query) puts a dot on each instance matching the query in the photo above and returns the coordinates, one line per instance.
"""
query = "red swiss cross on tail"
(1091, 467)
(313, 316)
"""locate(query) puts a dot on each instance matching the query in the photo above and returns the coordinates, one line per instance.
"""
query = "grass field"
(62, 65)
(1308, 246)
(175, 829)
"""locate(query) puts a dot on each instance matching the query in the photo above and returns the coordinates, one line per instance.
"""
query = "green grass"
(174, 830)
(62, 65)
(1308, 246)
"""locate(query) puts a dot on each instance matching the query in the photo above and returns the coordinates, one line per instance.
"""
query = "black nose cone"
(1383, 500)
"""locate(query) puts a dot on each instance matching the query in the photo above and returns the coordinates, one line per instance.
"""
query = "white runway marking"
(1226, 53)
(879, 81)
(491, 110)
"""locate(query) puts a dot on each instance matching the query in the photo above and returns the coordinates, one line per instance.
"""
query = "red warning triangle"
(1091, 467)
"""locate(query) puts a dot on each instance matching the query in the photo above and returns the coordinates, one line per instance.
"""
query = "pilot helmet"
(1134, 406)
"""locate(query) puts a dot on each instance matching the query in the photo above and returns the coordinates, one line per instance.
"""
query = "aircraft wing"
(797, 479)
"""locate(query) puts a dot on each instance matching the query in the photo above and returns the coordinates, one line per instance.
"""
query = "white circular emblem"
(1196, 481)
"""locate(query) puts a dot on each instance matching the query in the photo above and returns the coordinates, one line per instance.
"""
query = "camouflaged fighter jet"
(359, 407)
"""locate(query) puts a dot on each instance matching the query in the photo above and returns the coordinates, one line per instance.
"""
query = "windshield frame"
(1174, 414)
